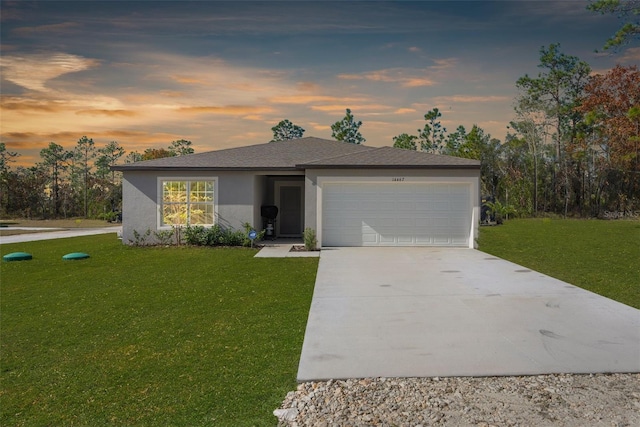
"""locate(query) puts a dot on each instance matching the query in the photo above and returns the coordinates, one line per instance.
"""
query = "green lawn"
(600, 256)
(200, 336)
(148, 336)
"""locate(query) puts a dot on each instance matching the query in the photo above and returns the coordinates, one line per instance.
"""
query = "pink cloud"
(405, 77)
(469, 99)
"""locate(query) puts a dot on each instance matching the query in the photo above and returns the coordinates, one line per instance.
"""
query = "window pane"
(187, 202)
(201, 213)
(174, 214)
(201, 191)
(174, 191)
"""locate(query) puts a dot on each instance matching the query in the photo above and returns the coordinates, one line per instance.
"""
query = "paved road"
(424, 312)
(47, 235)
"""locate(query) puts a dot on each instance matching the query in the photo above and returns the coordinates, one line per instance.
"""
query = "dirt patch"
(300, 248)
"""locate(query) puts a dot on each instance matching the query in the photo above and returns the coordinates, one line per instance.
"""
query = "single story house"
(351, 195)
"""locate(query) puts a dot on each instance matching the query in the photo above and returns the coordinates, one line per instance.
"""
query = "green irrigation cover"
(76, 255)
(17, 256)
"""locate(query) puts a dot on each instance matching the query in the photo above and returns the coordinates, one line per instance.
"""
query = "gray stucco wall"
(240, 195)
(139, 213)
(259, 199)
(235, 199)
(235, 203)
(238, 198)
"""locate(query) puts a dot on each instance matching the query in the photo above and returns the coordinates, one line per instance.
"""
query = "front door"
(289, 199)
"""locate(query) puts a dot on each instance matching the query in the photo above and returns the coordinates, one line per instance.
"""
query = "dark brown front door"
(290, 216)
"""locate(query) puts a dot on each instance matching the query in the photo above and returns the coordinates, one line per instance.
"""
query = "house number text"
(397, 179)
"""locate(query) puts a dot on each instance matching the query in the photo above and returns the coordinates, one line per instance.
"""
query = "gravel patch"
(543, 400)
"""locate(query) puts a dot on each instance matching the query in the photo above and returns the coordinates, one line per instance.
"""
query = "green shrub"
(499, 211)
(217, 236)
(108, 216)
(310, 240)
(247, 228)
(140, 239)
(231, 237)
(164, 237)
(214, 235)
(195, 235)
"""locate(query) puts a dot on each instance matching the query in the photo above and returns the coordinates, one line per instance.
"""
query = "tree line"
(71, 183)
(573, 148)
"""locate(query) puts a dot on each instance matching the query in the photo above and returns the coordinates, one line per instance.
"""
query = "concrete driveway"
(423, 312)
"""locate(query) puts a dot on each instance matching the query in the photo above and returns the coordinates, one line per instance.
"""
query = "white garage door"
(396, 214)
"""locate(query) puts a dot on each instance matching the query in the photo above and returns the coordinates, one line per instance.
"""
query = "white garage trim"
(388, 228)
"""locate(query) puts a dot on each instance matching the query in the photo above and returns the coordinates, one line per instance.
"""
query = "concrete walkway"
(423, 312)
(281, 248)
(61, 234)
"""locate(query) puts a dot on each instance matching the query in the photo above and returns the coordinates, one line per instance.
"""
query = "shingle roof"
(389, 157)
(284, 155)
(300, 154)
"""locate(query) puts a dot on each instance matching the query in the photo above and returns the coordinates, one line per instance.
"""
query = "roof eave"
(202, 168)
(390, 166)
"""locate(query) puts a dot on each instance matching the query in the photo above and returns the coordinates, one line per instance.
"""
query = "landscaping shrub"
(108, 216)
(247, 228)
(214, 235)
(140, 239)
(164, 237)
(310, 240)
(198, 235)
(230, 237)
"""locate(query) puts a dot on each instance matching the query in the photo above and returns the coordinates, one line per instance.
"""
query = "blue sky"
(221, 74)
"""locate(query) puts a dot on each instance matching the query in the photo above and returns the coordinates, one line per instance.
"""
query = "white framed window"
(186, 201)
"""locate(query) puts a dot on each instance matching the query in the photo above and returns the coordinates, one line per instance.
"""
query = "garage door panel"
(399, 214)
(422, 205)
(406, 239)
(386, 239)
(439, 221)
(402, 205)
(424, 241)
(441, 240)
(371, 238)
(456, 203)
(383, 223)
(344, 239)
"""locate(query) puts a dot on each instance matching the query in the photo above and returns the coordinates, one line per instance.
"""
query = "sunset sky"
(221, 74)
